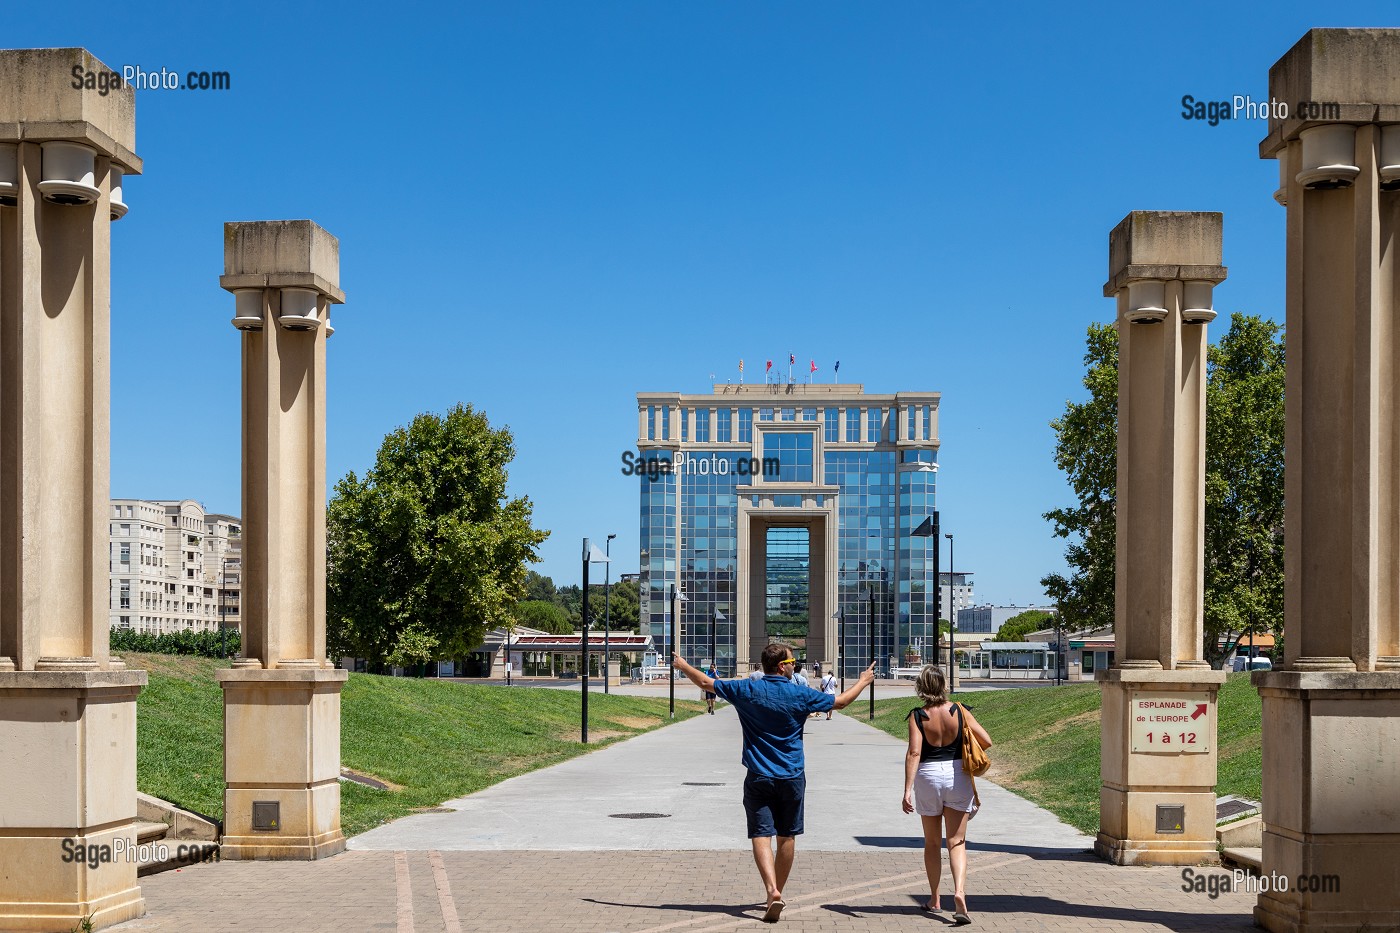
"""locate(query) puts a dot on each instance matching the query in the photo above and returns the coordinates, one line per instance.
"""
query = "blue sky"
(544, 208)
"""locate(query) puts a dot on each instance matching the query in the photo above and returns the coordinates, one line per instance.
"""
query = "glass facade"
(884, 486)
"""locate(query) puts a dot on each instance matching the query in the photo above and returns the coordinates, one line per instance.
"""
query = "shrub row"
(204, 644)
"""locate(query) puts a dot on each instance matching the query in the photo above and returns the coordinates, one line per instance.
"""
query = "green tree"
(1244, 486)
(540, 587)
(623, 607)
(1022, 624)
(1086, 449)
(426, 552)
(545, 616)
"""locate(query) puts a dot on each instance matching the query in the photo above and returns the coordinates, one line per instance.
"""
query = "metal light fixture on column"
(952, 618)
(591, 555)
(607, 611)
(869, 588)
(928, 528)
(677, 597)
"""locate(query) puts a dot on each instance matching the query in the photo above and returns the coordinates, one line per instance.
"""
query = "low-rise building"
(173, 567)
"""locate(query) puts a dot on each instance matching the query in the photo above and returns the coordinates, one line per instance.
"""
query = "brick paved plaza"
(543, 852)
(675, 892)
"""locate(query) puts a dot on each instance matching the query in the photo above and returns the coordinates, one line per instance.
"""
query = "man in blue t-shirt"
(772, 710)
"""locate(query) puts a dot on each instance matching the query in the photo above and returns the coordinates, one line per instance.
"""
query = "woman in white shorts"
(935, 783)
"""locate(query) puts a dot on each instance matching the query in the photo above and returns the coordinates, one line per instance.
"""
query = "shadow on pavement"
(994, 905)
(746, 912)
(917, 842)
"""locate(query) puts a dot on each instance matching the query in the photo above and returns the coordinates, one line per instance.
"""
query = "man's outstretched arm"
(867, 677)
(694, 674)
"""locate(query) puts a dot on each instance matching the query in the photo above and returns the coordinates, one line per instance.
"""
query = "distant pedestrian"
(935, 783)
(772, 711)
(817, 671)
(828, 687)
(798, 677)
(711, 673)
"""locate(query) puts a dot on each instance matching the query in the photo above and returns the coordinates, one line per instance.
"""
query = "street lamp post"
(841, 642)
(928, 528)
(583, 673)
(607, 611)
(870, 589)
(952, 615)
(223, 606)
(671, 654)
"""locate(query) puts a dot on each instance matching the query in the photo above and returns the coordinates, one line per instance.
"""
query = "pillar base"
(282, 763)
(1329, 790)
(1140, 785)
(68, 769)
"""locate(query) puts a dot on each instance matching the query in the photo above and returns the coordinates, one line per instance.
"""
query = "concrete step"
(1246, 857)
(148, 831)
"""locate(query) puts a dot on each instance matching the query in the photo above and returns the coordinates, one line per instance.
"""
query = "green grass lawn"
(1046, 742)
(431, 740)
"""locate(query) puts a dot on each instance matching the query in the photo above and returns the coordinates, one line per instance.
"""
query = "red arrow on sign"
(1200, 710)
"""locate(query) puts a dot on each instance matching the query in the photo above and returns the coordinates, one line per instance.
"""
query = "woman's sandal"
(931, 907)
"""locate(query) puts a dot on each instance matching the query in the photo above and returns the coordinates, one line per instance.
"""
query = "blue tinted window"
(788, 501)
(789, 414)
(872, 424)
(909, 416)
(852, 425)
(666, 424)
(765, 414)
(832, 424)
(793, 451)
(891, 424)
(702, 425)
(651, 422)
(685, 424)
(809, 414)
(926, 423)
(746, 425)
(722, 426)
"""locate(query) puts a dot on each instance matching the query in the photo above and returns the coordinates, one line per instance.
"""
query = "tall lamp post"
(590, 556)
(607, 611)
(676, 598)
(223, 606)
(870, 589)
(952, 615)
(928, 528)
(841, 645)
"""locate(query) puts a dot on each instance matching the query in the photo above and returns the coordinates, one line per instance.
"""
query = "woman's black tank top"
(950, 752)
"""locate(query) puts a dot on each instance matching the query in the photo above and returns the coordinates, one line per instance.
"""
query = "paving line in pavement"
(444, 889)
(404, 889)
(876, 886)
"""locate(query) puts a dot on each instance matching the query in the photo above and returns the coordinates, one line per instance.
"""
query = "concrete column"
(1158, 763)
(1332, 711)
(67, 708)
(282, 698)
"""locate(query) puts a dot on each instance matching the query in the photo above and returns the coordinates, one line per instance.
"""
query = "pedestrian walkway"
(647, 836)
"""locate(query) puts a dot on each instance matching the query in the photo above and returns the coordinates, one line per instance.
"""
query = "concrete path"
(690, 774)
(543, 852)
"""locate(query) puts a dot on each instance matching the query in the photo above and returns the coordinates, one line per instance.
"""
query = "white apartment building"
(173, 567)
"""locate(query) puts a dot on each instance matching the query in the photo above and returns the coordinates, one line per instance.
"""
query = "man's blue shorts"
(774, 805)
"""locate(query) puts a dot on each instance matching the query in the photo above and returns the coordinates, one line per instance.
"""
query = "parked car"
(1252, 664)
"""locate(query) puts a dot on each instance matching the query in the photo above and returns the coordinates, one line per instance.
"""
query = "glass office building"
(785, 512)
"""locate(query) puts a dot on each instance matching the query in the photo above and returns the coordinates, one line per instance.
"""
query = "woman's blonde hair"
(932, 685)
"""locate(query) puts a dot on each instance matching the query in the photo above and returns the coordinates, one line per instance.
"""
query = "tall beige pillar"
(67, 708)
(282, 699)
(1332, 713)
(1158, 764)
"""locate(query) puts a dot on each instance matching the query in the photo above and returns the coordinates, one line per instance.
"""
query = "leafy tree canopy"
(1244, 486)
(545, 616)
(426, 552)
(1022, 624)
